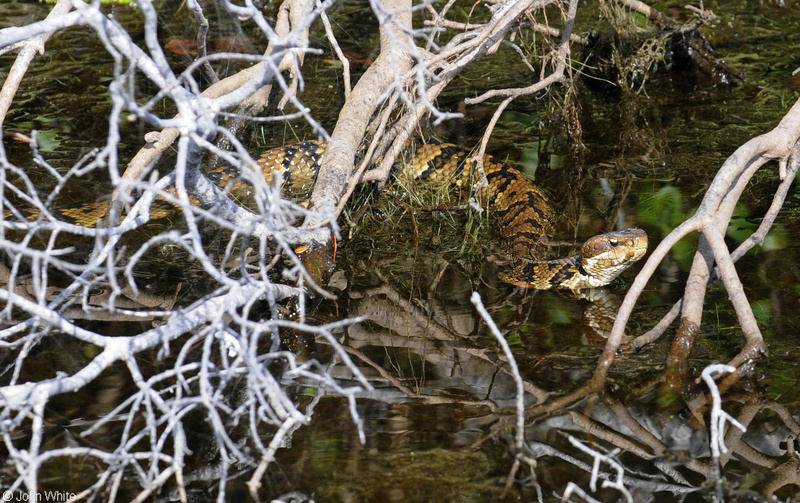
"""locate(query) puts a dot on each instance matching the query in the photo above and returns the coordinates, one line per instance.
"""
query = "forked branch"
(711, 220)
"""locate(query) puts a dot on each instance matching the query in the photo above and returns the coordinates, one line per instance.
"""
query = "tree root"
(711, 220)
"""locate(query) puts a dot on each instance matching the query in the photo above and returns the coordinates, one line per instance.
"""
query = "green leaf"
(662, 208)
(48, 140)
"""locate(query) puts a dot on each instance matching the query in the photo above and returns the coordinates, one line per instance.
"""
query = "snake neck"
(566, 272)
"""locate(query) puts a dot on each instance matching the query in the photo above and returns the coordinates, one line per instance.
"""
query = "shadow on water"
(444, 394)
(439, 424)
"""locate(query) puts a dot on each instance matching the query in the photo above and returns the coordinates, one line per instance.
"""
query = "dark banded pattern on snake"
(522, 211)
(525, 218)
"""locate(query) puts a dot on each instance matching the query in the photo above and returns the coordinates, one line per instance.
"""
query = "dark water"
(439, 424)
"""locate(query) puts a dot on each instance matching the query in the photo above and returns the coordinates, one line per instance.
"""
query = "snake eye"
(613, 242)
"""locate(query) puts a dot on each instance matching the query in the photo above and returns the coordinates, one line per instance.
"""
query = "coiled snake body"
(523, 214)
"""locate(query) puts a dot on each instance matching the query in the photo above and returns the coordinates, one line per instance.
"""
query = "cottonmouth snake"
(523, 214)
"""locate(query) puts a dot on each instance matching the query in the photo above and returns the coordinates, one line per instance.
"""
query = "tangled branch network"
(220, 361)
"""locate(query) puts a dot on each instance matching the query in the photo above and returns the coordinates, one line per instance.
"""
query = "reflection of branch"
(786, 417)
(718, 419)
(646, 484)
(615, 438)
(414, 321)
(787, 473)
(610, 425)
(617, 483)
(519, 438)
(512, 363)
(398, 383)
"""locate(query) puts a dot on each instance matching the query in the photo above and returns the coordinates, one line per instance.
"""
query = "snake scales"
(523, 214)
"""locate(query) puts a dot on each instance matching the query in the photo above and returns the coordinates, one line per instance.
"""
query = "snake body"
(525, 219)
(522, 211)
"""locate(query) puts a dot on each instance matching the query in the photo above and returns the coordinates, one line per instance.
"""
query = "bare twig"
(29, 48)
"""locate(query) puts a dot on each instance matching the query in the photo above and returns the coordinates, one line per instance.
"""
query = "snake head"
(605, 256)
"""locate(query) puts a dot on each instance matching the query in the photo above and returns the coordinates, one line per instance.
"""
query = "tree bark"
(338, 164)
